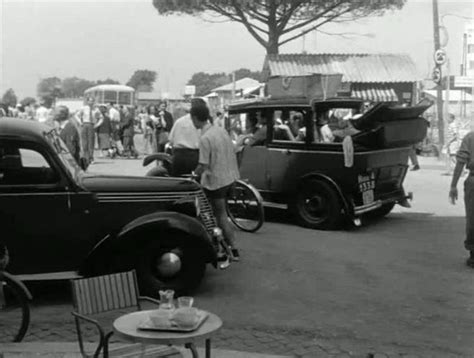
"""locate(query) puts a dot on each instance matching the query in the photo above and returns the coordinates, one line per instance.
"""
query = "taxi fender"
(128, 238)
(323, 177)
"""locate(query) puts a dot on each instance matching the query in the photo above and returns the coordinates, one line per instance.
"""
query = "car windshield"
(61, 149)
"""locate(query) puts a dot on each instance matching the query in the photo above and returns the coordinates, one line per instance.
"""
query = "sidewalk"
(71, 350)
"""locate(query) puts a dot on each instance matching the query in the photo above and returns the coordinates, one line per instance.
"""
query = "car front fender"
(164, 157)
(101, 257)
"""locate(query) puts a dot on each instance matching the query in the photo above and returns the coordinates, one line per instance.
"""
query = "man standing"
(114, 115)
(217, 168)
(87, 116)
(68, 132)
(163, 124)
(465, 157)
(184, 138)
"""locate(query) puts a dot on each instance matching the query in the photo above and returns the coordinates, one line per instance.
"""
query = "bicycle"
(14, 307)
(244, 202)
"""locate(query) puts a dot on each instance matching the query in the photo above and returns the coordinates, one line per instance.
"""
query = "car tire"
(188, 278)
(317, 205)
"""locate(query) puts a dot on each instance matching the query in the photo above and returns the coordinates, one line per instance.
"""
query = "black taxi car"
(56, 218)
(357, 173)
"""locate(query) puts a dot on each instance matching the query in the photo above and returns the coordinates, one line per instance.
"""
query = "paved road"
(396, 287)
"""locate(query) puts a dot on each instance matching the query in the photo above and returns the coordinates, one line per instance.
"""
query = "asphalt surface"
(397, 287)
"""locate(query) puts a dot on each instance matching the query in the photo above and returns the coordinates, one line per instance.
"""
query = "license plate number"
(368, 197)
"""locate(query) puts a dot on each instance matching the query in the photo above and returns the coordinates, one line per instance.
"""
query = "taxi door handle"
(288, 152)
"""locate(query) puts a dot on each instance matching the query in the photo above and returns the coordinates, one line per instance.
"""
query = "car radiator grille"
(206, 213)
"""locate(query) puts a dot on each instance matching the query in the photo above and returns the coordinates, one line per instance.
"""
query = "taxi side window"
(286, 126)
(24, 166)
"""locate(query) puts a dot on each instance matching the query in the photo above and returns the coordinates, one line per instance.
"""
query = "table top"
(126, 327)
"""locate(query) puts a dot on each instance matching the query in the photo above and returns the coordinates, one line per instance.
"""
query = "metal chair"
(101, 294)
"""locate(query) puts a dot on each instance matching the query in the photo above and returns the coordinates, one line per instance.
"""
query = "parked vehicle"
(309, 177)
(57, 218)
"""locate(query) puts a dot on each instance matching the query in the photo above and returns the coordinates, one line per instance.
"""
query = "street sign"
(463, 81)
(440, 56)
(190, 90)
(436, 75)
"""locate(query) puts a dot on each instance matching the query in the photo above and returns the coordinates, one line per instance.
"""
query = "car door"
(35, 210)
(286, 155)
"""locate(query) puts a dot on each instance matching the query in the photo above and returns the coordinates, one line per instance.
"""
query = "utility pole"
(439, 88)
(233, 85)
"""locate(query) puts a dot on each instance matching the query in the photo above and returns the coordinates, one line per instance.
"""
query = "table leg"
(193, 349)
(208, 348)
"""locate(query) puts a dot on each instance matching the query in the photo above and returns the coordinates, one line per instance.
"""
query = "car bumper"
(402, 200)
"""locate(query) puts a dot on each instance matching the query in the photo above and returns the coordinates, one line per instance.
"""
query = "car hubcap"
(315, 206)
(169, 264)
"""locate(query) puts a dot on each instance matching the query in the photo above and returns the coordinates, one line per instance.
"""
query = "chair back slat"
(105, 293)
(132, 283)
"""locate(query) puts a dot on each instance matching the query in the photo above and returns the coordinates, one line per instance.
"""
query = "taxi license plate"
(368, 197)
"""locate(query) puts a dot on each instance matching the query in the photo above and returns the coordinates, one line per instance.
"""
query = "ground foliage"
(276, 22)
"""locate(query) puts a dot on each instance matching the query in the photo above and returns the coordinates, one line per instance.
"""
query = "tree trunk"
(272, 48)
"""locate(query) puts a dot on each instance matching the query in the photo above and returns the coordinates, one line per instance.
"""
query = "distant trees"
(74, 87)
(51, 88)
(142, 80)
(27, 101)
(9, 98)
(206, 82)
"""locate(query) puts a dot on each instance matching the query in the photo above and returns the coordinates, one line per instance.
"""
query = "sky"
(111, 39)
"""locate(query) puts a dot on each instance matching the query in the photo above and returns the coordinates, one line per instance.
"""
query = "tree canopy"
(142, 80)
(276, 22)
(49, 89)
(9, 98)
(27, 101)
(205, 82)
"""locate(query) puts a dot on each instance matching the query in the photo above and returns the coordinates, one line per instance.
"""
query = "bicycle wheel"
(14, 312)
(245, 207)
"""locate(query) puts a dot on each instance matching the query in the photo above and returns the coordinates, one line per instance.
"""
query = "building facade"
(372, 77)
(469, 33)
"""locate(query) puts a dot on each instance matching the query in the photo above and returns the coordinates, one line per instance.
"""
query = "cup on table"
(185, 301)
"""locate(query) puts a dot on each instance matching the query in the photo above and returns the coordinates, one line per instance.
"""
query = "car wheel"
(157, 171)
(316, 205)
(380, 212)
(175, 264)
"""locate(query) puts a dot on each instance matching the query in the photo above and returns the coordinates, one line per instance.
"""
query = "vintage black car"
(54, 217)
(321, 182)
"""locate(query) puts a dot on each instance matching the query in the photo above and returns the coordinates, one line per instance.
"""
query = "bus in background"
(116, 94)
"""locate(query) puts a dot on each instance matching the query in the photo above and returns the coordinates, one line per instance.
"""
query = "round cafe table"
(126, 328)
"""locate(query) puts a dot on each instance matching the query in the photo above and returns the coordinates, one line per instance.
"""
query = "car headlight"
(216, 232)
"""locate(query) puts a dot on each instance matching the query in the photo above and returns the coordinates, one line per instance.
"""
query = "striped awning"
(374, 93)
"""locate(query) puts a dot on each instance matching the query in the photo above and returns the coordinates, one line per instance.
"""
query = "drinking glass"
(167, 299)
(185, 301)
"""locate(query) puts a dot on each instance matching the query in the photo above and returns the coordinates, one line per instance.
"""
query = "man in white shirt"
(42, 113)
(184, 137)
(88, 116)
